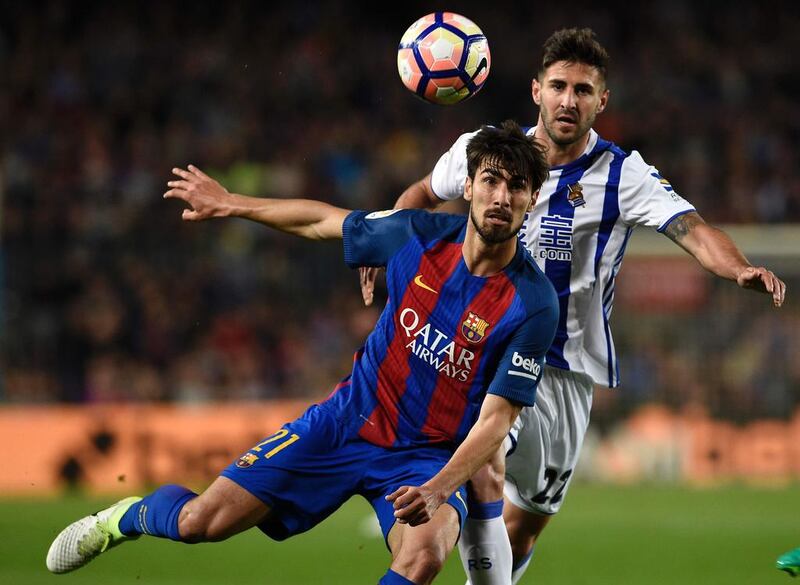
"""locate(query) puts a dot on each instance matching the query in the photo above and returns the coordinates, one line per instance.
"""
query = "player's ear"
(603, 100)
(534, 197)
(536, 91)
(468, 189)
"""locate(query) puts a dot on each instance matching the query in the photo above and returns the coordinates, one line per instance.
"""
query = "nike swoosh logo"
(460, 499)
(481, 66)
(419, 283)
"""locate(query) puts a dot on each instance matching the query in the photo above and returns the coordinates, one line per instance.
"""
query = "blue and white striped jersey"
(577, 233)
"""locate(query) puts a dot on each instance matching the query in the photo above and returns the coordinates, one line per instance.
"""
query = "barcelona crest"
(246, 460)
(474, 328)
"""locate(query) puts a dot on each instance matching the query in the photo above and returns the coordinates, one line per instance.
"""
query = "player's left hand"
(414, 505)
(760, 279)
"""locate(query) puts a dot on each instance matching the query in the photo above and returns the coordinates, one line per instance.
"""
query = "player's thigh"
(548, 440)
(303, 472)
(390, 469)
(222, 510)
(419, 552)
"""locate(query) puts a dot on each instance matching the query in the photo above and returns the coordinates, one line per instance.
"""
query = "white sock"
(485, 549)
(518, 570)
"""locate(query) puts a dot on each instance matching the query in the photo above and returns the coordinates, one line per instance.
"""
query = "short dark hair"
(509, 149)
(575, 45)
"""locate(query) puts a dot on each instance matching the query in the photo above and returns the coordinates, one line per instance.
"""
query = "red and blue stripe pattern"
(420, 379)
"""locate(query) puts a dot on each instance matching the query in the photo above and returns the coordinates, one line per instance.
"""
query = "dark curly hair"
(508, 148)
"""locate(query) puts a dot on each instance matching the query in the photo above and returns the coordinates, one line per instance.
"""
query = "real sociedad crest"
(474, 328)
(575, 195)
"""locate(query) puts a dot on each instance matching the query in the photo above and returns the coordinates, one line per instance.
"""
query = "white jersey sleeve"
(646, 198)
(450, 173)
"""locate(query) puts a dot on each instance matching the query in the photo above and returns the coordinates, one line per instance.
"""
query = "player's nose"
(502, 195)
(568, 99)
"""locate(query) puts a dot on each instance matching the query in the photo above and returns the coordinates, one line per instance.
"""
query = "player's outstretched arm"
(207, 199)
(717, 253)
(418, 195)
(416, 505)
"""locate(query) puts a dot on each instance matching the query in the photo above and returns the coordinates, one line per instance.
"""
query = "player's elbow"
(420, 195)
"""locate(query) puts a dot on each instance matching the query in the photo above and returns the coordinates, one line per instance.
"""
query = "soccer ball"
(444, 58)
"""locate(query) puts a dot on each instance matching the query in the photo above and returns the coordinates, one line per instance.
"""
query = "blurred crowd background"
(105, 295)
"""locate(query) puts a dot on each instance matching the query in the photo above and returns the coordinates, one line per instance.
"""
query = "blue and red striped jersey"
(445, 337)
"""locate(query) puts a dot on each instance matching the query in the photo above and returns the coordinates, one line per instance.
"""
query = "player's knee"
(191, 528)
(487, 484)
(430, 563)
(422, 565)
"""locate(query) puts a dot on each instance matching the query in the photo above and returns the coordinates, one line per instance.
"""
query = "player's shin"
(158, 513)
(484, 546)
(519, 567)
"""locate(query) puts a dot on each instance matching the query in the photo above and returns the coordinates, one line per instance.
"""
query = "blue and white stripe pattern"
(580, 247)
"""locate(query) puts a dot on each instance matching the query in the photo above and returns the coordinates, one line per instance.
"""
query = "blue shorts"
(312, 466)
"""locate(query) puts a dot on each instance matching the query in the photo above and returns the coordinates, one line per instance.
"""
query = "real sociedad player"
(595, 195)
(456, 353)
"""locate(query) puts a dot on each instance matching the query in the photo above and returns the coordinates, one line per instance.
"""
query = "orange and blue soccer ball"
(444, 58)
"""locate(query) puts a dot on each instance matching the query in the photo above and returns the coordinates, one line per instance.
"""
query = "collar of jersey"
(513, 265)
(595, 146)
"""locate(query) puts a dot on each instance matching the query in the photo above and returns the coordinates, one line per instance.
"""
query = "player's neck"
(561, 154)
(483, 259)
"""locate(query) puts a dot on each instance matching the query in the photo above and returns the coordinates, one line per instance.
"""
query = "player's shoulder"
(634, 168)
(391, 229)
(424, 226)
(418, 219)
(633, 161)
(601, 145)
(439, 225)
(637, 175)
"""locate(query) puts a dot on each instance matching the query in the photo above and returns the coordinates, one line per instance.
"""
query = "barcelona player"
(456, 353)
(595, 195)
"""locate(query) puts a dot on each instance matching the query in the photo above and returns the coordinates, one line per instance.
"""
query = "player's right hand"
(414, 505)
(367, 277)
(205, 196)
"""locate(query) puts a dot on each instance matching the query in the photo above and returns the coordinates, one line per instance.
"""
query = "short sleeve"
(450, 173)
(370, 239)
(646, 198)
(520, 368)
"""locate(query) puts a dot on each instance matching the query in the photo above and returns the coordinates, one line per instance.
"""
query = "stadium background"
(137, 349)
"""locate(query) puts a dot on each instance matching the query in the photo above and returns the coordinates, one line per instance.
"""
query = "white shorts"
(546, 440)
